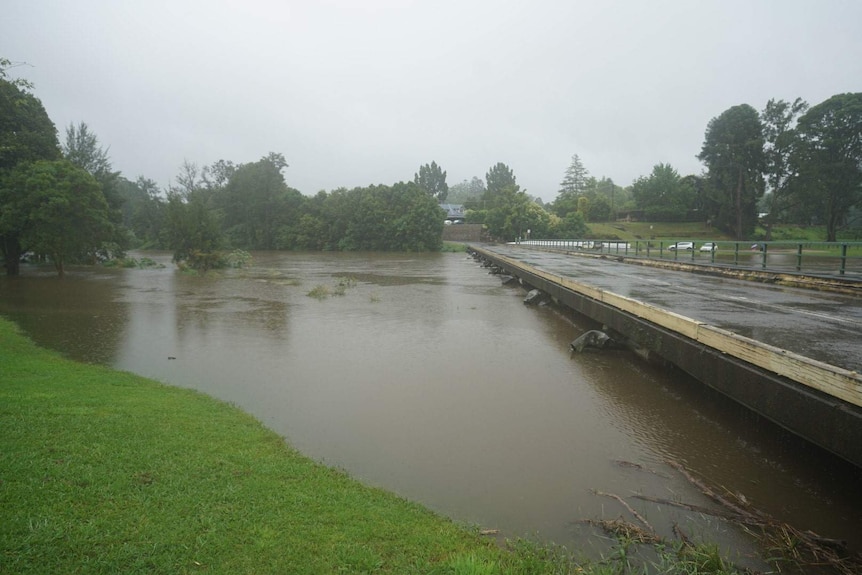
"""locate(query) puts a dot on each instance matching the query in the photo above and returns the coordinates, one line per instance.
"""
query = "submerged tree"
(61, 210)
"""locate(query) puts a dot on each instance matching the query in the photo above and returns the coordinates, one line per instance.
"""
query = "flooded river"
(422, 374)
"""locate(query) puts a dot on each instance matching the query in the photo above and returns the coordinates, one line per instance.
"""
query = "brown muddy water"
(423, 375)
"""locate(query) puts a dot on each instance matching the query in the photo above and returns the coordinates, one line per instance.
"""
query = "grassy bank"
(106, 472)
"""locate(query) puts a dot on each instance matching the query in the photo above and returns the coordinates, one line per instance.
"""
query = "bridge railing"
(819, 258)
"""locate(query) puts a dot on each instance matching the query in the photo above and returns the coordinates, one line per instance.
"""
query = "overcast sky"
(359, 92)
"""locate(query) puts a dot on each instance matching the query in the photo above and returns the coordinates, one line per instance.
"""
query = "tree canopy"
(828, 159)
(663, 195)
(432, 179)
(58, 209)
(27, 135)
(576, 181)
(733, 154)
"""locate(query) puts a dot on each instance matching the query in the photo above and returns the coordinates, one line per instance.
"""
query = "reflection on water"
(429, 378)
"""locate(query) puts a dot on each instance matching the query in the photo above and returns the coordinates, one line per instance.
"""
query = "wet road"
(823, 326)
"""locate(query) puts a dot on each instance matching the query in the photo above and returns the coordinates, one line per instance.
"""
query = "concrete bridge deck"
(793, 355)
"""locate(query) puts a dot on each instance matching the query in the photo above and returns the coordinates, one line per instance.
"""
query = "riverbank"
(108, 472)
(102, 471)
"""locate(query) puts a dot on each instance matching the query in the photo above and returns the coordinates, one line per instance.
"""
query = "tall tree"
(192, 222)
(61, 210)
(829, 159)
(733, 154)
(574, 185)
(498, 177)
(27, 135)
(432, 179)
(83, 150)
(779, 118)
(258, 203)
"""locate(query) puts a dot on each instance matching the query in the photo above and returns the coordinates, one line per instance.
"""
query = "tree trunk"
(11, 248)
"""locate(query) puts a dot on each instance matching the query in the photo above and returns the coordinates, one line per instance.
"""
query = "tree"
(498, 177)
(432, 179)
(575, 184)
(27, 135)
(143, 211)
(194, 229)
(193, 225)
(663, 195)
(60, 210)
(513, 213)
(733, 154)
(83, 150)
(257, 203)
(828, 159)
(778, 118)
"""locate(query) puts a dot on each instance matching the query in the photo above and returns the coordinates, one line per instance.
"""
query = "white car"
(709, 247)
(681, 246)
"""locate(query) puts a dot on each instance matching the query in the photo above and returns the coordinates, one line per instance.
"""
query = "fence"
(816, 258)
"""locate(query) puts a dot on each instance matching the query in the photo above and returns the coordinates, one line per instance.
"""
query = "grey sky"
(358, 92)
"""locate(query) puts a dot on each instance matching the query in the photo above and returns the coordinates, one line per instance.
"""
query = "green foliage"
(257, 204)
(599, 210)
(82, 149)
(574, 186)
(828, 159)
(319, 291)
(143, 212)
(56, 209)
(663, 195)
(513, 213)
(401, 217)
(432, 179)
(780, 139)
(237, 259)
(27, 135)
(733, 153)
(194, 230)
(572, 226)
(498, 178)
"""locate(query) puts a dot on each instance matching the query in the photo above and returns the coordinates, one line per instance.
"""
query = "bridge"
(792, 355)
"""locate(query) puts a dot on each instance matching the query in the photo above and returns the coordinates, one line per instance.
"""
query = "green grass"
(454, 247)
(107, 472)
(666, 231)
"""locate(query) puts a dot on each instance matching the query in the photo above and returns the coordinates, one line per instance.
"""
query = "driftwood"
(805, 548)
(628, 507)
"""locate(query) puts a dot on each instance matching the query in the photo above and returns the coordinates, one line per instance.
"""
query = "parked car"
(681, 246)
(708, 247)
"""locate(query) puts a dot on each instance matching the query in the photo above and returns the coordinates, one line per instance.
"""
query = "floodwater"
(423, 375)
